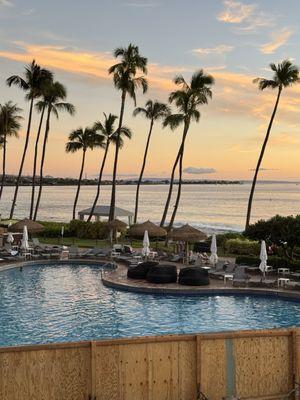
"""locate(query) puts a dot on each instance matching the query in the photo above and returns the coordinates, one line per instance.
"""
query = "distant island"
(54, 181)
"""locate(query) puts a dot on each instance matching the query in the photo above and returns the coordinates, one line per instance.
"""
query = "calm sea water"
(210, 207)
(59, 303)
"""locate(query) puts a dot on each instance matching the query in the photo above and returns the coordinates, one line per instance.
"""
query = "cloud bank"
(199, 170)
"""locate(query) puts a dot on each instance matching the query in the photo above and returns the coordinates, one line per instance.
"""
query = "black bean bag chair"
(140, 271)
(193, 276)
(166, 273)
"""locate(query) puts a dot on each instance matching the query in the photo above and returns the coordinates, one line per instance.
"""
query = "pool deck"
(117, 279)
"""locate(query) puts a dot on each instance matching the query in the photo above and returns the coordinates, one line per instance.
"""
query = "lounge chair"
(73, 251)
(240, 277)
(221, 270)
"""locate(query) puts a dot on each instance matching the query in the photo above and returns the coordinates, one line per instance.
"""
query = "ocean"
(212, 208)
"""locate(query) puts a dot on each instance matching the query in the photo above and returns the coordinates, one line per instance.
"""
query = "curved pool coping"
(136, 287)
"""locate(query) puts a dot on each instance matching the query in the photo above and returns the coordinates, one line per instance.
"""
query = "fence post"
(198, 363)
(295, 363)
(93, 369)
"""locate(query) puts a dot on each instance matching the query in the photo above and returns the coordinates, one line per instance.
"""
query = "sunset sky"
(233, 40)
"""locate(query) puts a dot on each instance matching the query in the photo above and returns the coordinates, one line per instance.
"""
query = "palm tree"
(153, 111)
(53, 99)
(81, 140)
(107, 131)
(125, 80)
(9, 126)
(187, 100)
(285, 74)
(33, 82)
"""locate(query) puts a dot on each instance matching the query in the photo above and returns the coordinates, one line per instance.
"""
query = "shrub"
(89, 230)
(242, 247)
(222, 238)
(53, 229)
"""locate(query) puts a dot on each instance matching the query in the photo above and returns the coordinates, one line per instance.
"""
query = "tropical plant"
(107, 133)
(187, 100)
(285, 74)
(153, 111)
(9, 126)
(33, 82)
(81, 140)
(53, 100)
(125, 80)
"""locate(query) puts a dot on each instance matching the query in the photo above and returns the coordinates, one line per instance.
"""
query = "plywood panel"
(46, 374)
(213, 368)
(187, 370)
(263, 366)
(107, 380)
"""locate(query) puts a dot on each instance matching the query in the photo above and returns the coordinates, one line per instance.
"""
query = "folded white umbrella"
(24, 243)
(213, 249)
(10, 238)
(263, 258)
(146, 244)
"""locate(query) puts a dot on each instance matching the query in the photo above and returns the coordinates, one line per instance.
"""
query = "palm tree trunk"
(167, 205)
(22, 162)
(79, 184)
(261, 155)
(113, 189)
(42, 163)
(142, 173)
(35, 163)
(99, 181)
(3, 165)
(186, 128)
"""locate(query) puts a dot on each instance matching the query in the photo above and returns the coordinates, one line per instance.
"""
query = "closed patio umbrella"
(263, 258)
(24, 243)
(10, 238)
(213, 249)
(146, 245)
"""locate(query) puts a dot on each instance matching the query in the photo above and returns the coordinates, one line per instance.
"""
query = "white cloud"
(278, 39)
(199, 170)
(247, 18)
(6, 3)
(220, 49)
(236, 12)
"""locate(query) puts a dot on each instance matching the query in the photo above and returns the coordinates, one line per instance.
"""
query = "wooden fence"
(246, 364)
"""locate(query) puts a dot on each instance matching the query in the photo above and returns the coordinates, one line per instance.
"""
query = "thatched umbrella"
(186, 233)
(138, 230)
(117, 225)
(32, 226)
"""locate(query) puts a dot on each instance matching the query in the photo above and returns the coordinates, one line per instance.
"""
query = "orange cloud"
(278, 39)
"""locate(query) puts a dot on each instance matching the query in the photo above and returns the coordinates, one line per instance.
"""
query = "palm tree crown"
(108, 130)
(153, 110)
(10, 119)
(82, 139)
(54, 95)
(33, 82)
(189, 97)
(285, 74)
(124, 72)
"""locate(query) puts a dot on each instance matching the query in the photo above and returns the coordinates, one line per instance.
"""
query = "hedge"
(242, 247)
(76, 228)
(274, 261)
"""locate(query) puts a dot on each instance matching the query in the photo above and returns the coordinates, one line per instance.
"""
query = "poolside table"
(282, 282)
(283, 271)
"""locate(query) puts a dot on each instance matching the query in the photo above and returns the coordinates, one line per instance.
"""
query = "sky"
(235, 41)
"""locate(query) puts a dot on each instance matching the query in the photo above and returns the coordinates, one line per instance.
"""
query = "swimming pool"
(67, 302)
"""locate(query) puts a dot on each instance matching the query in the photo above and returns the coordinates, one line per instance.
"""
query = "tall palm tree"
(32, 83)
(81, 140)
(53, 99)
(108, 132)
(187, 100)
(9, 126)
(153, 111)
(285, 74)
(125, 80)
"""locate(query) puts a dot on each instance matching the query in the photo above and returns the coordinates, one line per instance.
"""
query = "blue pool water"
(57, 303)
